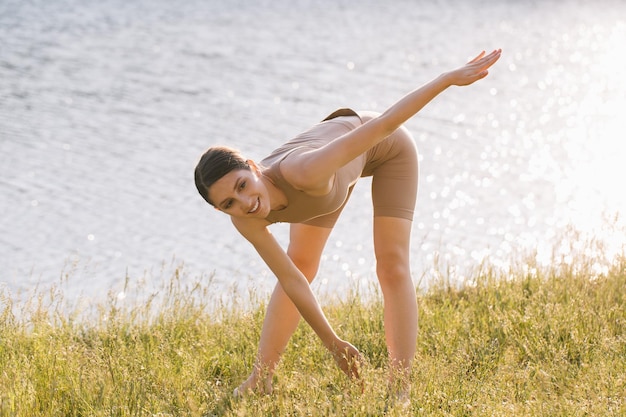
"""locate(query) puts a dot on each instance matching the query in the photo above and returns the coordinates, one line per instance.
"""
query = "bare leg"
(281, 319)
(391, 243)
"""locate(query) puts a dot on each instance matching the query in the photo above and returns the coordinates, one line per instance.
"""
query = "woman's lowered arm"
(297, 288)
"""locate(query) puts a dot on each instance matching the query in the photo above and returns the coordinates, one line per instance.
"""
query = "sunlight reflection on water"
(104, 111)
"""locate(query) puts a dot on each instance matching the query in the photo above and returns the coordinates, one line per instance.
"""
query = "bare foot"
(254, 385)
(399, 391)
(399, 400)
(403, 399)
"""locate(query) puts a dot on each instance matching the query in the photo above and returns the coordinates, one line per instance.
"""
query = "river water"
(105, 107)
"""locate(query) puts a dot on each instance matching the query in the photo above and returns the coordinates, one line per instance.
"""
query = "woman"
(306, 182)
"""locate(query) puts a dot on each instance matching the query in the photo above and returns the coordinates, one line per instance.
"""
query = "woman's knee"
(306, 243)
(307, 264)
(392, 246)
(393, 269)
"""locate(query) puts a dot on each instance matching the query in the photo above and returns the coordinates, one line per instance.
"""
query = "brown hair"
(216, 162)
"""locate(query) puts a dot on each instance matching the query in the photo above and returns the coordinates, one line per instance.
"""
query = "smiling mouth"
(256, 207)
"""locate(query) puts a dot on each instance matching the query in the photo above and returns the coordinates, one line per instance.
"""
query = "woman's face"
(241, 193)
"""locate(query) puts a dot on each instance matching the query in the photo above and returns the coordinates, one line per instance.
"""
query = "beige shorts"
(393, 166)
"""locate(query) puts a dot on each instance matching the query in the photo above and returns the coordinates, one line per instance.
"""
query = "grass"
(534, 341)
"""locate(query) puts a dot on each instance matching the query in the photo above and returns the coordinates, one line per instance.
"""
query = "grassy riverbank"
(531, 342)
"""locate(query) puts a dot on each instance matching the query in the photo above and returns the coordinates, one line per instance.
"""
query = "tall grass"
(528, 341)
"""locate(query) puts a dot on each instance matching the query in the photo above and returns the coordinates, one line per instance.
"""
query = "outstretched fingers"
(480, 55)
(476, 69)
(485, 61)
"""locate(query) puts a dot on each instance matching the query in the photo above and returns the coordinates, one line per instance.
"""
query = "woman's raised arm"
(318, 166)
(413, 102)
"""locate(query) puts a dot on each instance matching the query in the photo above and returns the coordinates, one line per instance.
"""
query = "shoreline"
(535, 342)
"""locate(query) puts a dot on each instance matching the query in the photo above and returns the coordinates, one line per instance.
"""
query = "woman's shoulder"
(302, 173)
(249, 226)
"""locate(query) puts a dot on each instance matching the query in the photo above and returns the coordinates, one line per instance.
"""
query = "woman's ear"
(255, 168)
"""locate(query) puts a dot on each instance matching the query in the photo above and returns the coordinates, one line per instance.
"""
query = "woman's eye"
(242, 185)
(228, 204)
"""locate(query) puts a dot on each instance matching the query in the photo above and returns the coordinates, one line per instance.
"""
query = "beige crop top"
(301, 206)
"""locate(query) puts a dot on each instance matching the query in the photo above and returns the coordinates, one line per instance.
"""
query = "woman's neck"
(278, 199)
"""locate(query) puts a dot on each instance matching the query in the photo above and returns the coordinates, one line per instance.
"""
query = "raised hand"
(474, 70)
